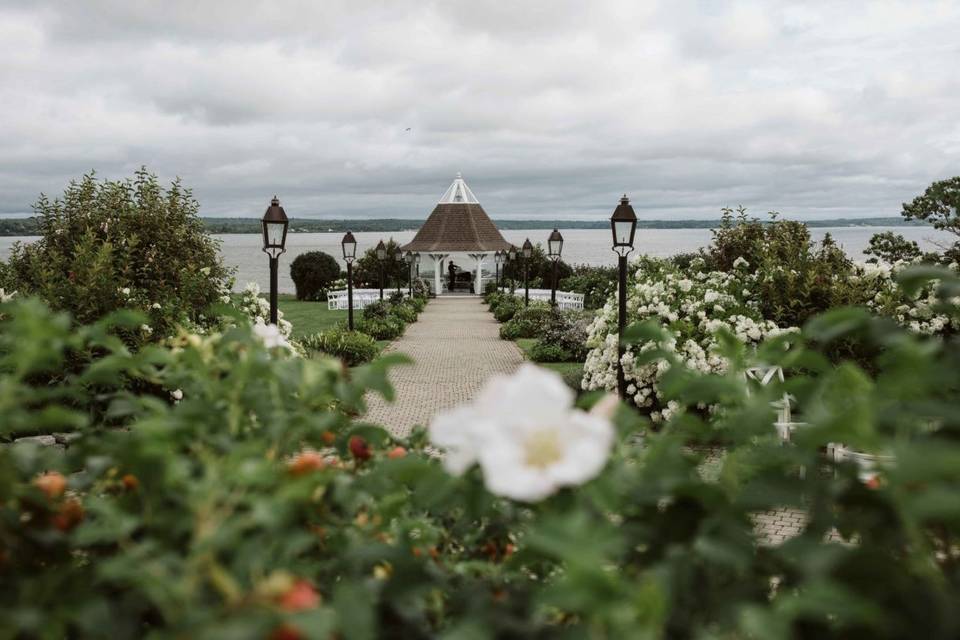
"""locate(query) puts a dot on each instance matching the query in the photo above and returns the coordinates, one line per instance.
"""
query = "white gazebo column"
(479, 281)
(437, 272)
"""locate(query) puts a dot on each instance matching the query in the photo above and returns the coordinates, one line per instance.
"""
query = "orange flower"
(306, 462)
(396, 452)
(130, 482)
(299, 597)
(53, 484)
(70, 515)
(329, 437)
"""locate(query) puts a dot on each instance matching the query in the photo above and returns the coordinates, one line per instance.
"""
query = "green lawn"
(309, 317)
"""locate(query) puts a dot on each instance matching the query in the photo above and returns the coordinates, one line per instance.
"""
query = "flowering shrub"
(254, 306)
(694, 308)
(251, 504)
(595, 283)
(527, 322)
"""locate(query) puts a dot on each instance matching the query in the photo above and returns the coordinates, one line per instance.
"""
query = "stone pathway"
(455, 346)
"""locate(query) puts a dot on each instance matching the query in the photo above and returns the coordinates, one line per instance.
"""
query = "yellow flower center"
(542, 449)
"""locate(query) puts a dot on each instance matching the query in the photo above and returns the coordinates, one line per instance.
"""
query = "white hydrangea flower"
(177, 395)
(155, 305)
(526, 436)
(7, 297)
(740, 263)
(270, 335)
(147, 329)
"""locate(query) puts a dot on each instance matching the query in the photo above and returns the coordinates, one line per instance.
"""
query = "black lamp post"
(349, 245)
(274, 242)
(623, 222)
(554, 246)
(381, 256)
(527, 254)
(408, 258)
(512, 258)
(498, 260)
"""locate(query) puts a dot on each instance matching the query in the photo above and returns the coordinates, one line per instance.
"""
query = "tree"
(939, 205)
(366, 271)
(890, 247)
(312, 272)
(540, 269)
(131, 243)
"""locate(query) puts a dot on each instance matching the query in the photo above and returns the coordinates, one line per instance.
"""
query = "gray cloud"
(550, 108)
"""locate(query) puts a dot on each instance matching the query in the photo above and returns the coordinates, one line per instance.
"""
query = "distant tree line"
(28, 226)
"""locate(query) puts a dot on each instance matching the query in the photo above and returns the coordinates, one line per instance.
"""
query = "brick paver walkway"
(455, 346)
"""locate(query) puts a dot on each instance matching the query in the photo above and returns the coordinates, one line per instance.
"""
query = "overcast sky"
(549, 108)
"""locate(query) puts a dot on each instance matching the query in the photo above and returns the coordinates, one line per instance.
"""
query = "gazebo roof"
(458, 223)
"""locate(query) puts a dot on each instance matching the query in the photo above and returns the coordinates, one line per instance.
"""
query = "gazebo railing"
(565, 299)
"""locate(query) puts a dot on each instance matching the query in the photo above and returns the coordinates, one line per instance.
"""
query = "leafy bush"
(377, 310)
(405, 311)
(353, 347)
(596, 284)
(546, 352)
(527, 322)
(107, 245)
(387, 328)
(568, 330)
(506, 308)
(892, 247)
(250, 504)
(313, 272)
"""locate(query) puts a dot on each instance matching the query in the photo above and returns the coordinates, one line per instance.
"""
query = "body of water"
(580, 246)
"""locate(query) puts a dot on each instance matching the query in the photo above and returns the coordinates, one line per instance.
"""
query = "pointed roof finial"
(458, 192)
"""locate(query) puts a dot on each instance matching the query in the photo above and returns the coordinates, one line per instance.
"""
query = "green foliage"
(507, 306)
(891, 247)
(352, 347)
(546, 352)
(526, 322)
(201, 517)
(939, 205)
(595, 283)
(800, 279)
(366, 270)
(539, 269)
(108, 245)
(312, 273)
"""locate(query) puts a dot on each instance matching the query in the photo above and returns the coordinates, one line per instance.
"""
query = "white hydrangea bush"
(694, 306)
(883, 295)
(257, 308)
(695, 303)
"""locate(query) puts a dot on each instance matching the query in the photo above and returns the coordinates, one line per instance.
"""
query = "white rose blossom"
(526, 435)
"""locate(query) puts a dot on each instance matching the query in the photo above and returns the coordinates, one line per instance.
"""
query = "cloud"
(549, 108)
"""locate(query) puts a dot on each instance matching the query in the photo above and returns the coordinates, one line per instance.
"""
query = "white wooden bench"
(565, 299)
(337, 300)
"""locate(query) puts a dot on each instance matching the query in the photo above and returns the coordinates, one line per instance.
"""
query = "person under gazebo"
(452, 275)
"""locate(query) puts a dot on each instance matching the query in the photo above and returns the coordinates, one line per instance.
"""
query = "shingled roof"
(458, 223)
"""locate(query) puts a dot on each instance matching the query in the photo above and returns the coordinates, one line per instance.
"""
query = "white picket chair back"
(565, 299)
(337, 300)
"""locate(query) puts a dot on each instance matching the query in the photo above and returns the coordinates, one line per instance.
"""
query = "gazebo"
(457, 225)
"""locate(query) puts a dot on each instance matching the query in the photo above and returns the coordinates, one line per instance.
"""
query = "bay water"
(581, 246)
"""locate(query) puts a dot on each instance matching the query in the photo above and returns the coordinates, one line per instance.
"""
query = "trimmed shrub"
(527, 322)
(312, 274)
(353, 347)
(506, 308)
(545, 352)
(386, 328)
(376, 310)
(404, 311)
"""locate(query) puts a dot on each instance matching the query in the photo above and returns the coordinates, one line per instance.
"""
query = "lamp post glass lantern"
(381, 251)
(554, 247)
(527, 254)
(623, 223)
(349, 245)
(274, 225)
